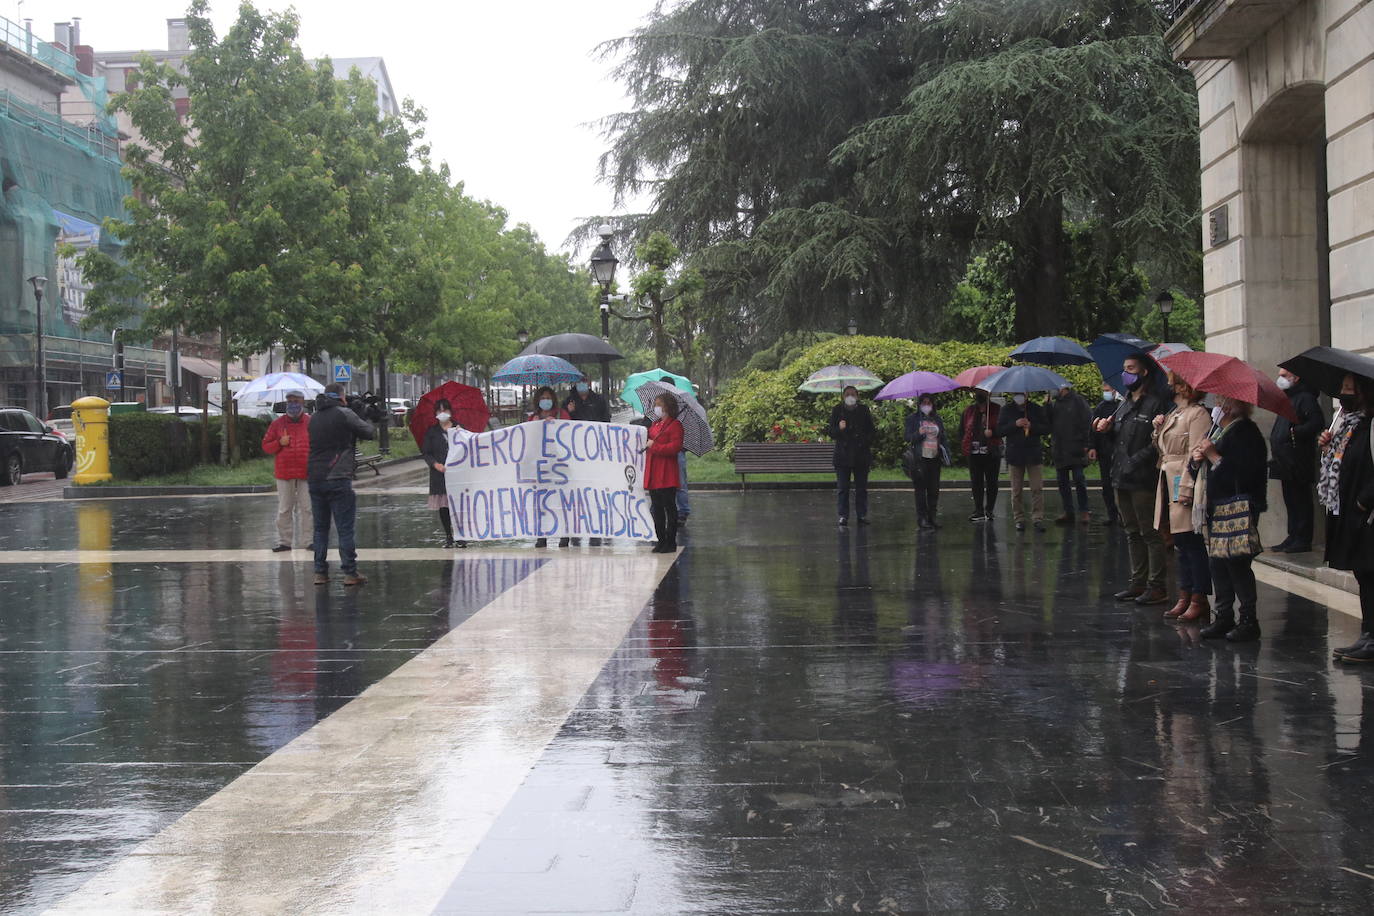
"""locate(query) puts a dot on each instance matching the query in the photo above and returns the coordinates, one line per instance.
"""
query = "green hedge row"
(147, 444)
(753, 403)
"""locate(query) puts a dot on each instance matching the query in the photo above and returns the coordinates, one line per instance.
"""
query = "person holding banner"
(436, 455)
(660, 471)
(546, 408)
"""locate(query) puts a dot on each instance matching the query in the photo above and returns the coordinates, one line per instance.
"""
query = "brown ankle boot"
(1177, 610)
(1198, 609)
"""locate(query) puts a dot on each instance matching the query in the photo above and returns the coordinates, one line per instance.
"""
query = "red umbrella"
(469, 410)
(970, 378)
(1229, 377)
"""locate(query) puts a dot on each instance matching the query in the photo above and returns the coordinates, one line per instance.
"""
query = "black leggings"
(663, 509)
(447, 521)
(1365, 580)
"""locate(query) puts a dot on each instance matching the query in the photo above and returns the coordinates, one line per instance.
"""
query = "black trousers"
(1234, 581)
(1297, 499)
(984, 477)
(1104, 467)
(927, 486)
(1366, 582)
(663, 510)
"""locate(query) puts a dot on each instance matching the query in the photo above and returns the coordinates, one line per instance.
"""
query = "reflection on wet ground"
(131, 692)
(875, 721)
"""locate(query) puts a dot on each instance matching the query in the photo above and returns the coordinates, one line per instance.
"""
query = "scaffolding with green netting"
(60, 181)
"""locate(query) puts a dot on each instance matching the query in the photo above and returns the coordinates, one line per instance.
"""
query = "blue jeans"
(1194, 568)
(334, 498)
(683, 510)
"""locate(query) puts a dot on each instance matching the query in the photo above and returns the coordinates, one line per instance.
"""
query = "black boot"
(1247, 630)
(1223, 622)
(1362, 642)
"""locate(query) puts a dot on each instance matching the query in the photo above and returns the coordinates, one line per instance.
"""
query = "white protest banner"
(549, 478)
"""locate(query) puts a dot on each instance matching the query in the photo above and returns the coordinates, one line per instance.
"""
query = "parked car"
(185, 412)
(400, 409)
(28, 446)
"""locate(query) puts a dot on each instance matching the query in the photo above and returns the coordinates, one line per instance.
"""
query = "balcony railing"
(89, 137)
(22, 40)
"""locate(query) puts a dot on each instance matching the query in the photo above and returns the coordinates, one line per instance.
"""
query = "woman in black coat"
(1346, 489)
(1293, 461)
(851, 426)
(1238, 460)
(925, 432)
(435, 450)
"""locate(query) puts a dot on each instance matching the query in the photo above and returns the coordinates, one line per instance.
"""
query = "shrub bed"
(147, 444)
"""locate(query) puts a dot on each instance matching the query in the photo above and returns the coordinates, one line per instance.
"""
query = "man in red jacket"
(289, 439)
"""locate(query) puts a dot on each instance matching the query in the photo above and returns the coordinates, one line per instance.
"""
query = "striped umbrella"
(537, 369)
(696, 429)
(838, 378)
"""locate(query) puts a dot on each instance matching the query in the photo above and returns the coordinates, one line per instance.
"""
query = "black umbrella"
(575, 348)
(1325, 368)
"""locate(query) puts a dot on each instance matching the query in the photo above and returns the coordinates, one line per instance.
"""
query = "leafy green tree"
(662, 282)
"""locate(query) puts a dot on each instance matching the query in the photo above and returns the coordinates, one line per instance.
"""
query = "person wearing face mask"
(1176, 434)
(289, 439)
(1134, 477)
(926, 432)
(983, 449)
(1022, 424)
(585, 404)
(660, 471)
(1070, 440)
(852, 428)
(546, 408)
(1235, 456)
(435, 452)
(1102, 444)
(1345, 487)
(1293, 461)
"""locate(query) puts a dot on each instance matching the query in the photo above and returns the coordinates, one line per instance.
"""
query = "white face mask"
(926, 409)
(1018, 399)
(1109, 395)
(850, 401)
(1217, 414)
(1284, 382)
(658, 411)
(443, 417)
(546, 404)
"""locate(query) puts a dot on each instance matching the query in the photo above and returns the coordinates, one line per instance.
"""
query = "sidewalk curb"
(1336, 578)
(946, 486)
(136, 492)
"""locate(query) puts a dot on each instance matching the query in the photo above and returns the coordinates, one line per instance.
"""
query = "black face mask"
(1350, 402)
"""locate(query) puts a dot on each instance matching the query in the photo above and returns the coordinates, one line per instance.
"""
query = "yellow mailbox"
(91, 417)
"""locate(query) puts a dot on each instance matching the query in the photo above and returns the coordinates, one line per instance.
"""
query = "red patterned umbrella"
(970, 378)
(1218, 374)
(469, 410)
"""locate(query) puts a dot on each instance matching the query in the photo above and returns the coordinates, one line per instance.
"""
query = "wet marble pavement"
(800, 720)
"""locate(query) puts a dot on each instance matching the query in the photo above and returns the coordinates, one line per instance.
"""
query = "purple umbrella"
(915, 384)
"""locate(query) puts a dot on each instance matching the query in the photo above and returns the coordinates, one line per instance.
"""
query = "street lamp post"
(38, 283)
(523, 336)
(852, 327)
(603, 270)
(1165, 304)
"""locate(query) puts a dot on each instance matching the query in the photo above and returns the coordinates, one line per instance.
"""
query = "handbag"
(909, 462)
(1231, 531)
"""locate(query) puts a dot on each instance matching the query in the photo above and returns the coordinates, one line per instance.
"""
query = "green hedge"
(752, 403)
(147, 444)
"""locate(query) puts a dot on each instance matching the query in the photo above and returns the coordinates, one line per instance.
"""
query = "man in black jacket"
(1071, 429)
(334, 434)
(1021, 424)
(1135, 477)
(1293, 450)
(1103, 444)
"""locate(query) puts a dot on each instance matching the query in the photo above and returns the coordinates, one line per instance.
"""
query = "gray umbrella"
(696, 430)
(575, 348)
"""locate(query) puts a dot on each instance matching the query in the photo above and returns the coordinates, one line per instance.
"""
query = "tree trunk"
(660, 338)
(226, 439)
(1037, 279)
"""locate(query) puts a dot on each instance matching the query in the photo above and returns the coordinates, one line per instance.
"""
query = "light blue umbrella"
(1020, 379)
(1052, 351)
(537, 369)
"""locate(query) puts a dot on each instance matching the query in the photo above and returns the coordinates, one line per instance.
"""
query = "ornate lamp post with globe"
(604, 263)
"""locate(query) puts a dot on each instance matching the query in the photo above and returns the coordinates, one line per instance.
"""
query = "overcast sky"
(510, 89)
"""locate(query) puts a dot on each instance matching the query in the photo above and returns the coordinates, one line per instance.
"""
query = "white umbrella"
(275, 385)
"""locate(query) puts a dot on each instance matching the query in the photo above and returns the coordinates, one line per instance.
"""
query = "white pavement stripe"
(378, 807)
(365, 555)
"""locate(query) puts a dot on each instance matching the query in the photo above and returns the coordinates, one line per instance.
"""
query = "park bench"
(784, 458)
(366, 461)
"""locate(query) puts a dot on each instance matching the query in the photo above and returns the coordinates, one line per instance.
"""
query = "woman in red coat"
(660, 471)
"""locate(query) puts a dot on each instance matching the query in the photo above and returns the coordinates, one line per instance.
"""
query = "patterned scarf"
(1329, 483)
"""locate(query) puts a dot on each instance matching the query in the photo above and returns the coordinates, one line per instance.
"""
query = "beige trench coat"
(1182, 430)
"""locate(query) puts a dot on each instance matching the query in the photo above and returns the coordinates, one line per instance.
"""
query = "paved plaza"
(784, 717)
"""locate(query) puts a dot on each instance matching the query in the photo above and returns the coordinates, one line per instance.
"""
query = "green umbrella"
(654, 375)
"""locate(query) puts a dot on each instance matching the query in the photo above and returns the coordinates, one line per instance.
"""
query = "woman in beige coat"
(1176, 435)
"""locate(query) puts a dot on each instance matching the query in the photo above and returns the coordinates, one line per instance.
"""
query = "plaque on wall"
(1218, 227)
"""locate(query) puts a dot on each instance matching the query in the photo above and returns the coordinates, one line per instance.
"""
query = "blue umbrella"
(1110, 350)
(537, 369)
(1052, 351)
(1024, 379)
